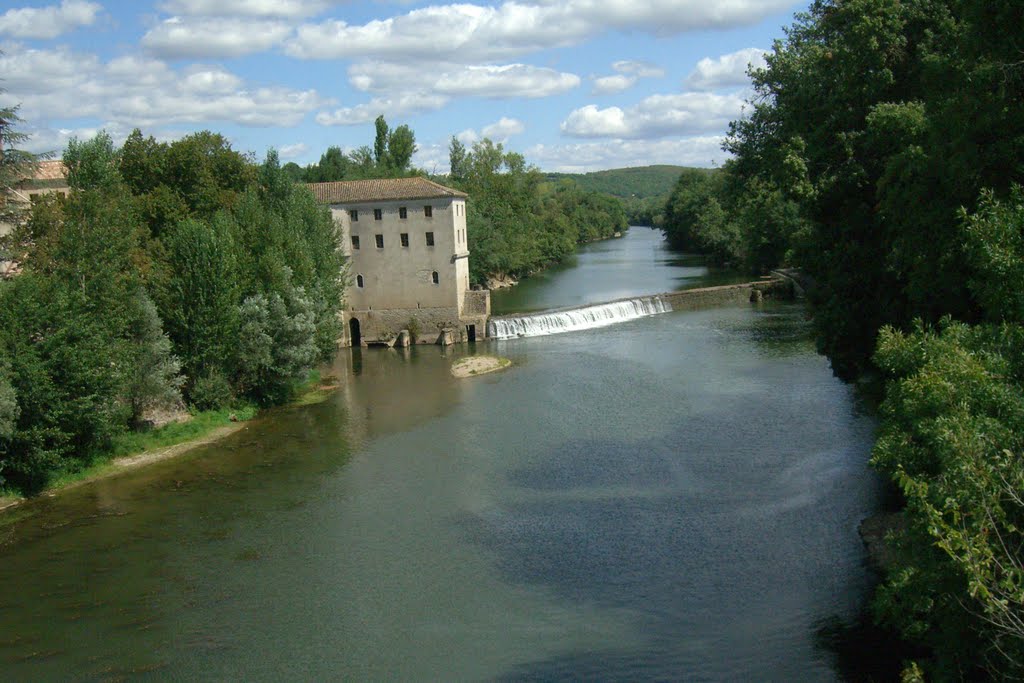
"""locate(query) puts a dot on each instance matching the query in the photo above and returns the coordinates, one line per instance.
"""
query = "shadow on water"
(863, 652)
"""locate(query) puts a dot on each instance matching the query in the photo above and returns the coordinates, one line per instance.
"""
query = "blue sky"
(574, 85)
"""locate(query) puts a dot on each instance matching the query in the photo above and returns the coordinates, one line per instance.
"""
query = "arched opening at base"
(353, 332)
(471, 333)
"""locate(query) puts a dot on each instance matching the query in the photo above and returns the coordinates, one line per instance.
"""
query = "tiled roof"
(50, 170)
(385, 189)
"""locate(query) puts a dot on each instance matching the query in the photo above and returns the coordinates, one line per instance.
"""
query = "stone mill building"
(408, 261)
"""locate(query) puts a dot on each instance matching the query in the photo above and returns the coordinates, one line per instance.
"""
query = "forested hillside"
(883, 154)
(643, 190)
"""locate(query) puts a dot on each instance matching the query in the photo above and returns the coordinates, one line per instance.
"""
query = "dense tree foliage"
(881, 154)
(879, 120)
(748, 224)
(644, 190)
(171, 271)
(516, 222)
(390, 157)
(953, 439)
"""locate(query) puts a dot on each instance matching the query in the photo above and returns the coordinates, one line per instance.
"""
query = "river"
(675, 497)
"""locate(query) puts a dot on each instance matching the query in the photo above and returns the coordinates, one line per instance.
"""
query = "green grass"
(133, 443)
(202, 423)
(174, 433)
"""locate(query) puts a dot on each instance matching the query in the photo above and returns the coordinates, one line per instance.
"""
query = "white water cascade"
(585, 318)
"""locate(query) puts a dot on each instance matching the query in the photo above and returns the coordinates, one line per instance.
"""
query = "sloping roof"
(384, 189)
(45, 174)
(50, 170)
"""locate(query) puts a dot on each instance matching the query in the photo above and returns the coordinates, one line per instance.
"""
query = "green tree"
(9, 410)
(93, 164)
(64, 329)
(15, 164)
(401, 147)
(199, 303)
(380, 141)
(457, 157)
(154, 382)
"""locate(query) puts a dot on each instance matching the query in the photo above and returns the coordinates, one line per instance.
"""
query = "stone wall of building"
(425, 324)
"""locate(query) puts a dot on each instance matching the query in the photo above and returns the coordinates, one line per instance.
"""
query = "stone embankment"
(709, 297)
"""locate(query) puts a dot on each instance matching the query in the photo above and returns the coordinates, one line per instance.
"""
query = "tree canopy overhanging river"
(674, 497)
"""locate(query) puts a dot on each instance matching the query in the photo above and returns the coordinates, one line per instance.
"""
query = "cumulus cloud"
(135, 91)
(392, 107)
(494, 81)
(656, 116)
(503, 129)
(638, 69)
(467, 137)
(430, 86)
(629, 72)
(727, 70)
(48, 22)
(701, 151)
(609, 85)
(211, 37)
(499, 131)
(510, 80)
(482, 33)
(248, 8)
(293, 151)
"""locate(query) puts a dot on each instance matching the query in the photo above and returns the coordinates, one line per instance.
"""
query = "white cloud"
(206, 37)
(404, 105)
(503, 129)
(727, 70)
(133, 91)
(293, 151)
(656, 116)
(432, 157)
(248, 8)
(494, 81)
(48, 22)
(472, 33)
(609, 85)
(510, 80)
(467, 137)
(704, 151)
(628, 73)
(638, 69)
(499, 131)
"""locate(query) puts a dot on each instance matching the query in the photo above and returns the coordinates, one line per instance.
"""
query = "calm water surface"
(638, 263)
(673, 498)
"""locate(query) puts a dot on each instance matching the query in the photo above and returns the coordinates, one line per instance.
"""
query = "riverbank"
(138, 449)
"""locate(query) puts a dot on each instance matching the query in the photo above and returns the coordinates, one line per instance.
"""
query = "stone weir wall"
(709, 297)
(771, 288)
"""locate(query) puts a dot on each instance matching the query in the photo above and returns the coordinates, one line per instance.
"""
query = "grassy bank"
(133, 449)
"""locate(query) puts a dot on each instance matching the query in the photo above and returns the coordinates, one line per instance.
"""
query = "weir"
(600, 315)
(585, 318)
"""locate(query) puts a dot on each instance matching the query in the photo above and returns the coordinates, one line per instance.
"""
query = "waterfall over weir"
(585, 318)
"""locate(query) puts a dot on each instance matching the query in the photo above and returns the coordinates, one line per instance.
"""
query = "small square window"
(405, 239)
(377, 214)
(355, 241)
(354, 215)
(379, 239)
(401, 212)
(430, 239)
(428, 211)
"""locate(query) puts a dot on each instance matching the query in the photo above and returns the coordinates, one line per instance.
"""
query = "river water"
(672, 498)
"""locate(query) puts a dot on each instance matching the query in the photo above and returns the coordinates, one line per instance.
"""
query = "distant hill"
(639, 182)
